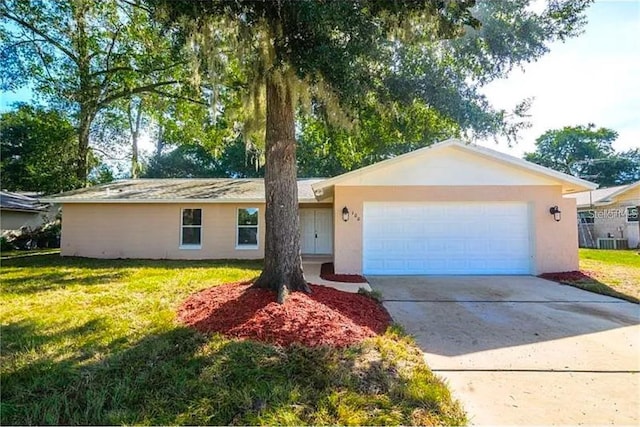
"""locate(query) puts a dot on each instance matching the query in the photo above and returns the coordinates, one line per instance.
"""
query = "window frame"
(627, 216)
(244, 246)
(190, 246)
(591, 215)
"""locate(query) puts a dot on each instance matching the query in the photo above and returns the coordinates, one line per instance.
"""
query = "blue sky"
(594, 78)
(8, 98)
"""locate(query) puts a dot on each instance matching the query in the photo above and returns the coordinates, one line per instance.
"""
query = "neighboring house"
(19, 211)
(451, 208)
(608, 217)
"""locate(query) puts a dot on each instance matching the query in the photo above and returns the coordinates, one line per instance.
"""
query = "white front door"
(316, 229)
(307, 231)
(446, 238)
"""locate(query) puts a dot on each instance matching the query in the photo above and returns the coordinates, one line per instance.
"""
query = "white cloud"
(591, 79)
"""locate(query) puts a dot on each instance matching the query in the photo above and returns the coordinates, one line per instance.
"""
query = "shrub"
(5, 244)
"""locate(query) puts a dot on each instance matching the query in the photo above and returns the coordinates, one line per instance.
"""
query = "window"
(247, 237)
(632, 214)
(191, 230)
(586, 217)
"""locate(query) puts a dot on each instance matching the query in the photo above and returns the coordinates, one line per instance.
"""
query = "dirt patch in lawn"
(325, 317)
(327, 272)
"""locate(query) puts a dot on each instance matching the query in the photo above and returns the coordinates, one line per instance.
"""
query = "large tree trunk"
(87, 110)
(134, 127)
(84, 127)
(135, 166)
(159, 141)
(282, 260)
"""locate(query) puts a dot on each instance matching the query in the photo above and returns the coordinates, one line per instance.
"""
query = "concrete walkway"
(311, 271)
(522, 350)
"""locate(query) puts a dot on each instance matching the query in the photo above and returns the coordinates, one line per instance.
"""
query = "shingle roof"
(19, 202)
(173, 190)
(601, 195)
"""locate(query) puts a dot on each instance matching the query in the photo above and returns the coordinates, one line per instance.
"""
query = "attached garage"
(453, 209)
(443, 238)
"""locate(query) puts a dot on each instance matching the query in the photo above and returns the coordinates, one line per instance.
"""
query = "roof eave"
(611, 197)
(164, 201)
(22, 210)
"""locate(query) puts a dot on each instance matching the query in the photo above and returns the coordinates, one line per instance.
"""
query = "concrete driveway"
(523, 350)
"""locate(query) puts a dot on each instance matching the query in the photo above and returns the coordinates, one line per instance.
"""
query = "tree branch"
(129, 92)
(44, 64)
(16, 44)
(42, 34)
(175, 96)
(110, 50)
(137, 4)
(135, 70)
(107, 154)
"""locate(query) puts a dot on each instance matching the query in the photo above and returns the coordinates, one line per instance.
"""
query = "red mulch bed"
(327, 272)
(325, 317)
(570, 276)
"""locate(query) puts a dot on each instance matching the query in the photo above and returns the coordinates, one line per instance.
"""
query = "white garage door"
(446, 238)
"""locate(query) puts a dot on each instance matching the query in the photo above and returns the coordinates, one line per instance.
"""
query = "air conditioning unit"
(612, 243)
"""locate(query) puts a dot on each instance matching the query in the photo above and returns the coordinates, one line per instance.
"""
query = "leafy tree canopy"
(435, 88)
(326, 150)
(37, 151)
(195, 161)
(85, 57)
(586, 152)
(340, 54)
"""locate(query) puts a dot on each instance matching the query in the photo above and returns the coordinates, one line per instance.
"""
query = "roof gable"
(454, 163)
(629, 192)
(607, 196)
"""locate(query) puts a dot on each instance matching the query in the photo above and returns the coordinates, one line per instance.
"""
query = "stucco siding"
(445, 167)
(609, 215)
(153, 231)
(554, 243)
(15, 220)
(611, 220)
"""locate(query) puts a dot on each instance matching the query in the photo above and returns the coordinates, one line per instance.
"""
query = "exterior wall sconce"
(345, 214)
(557, 215)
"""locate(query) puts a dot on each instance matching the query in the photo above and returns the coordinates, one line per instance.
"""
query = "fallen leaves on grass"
(325, 317)
(327, 272)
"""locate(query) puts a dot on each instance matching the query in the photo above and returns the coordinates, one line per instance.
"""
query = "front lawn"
(96, 342)
(607, 272)
(618, 271)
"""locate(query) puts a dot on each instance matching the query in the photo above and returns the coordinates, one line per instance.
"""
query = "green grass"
(17, 253)
(96, 342)
(629, 258)
(613, 273)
